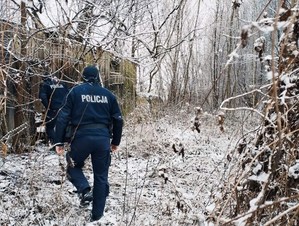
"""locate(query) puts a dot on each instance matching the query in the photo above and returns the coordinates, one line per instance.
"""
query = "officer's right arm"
(63, 119)
(59, 150)
(43, 95)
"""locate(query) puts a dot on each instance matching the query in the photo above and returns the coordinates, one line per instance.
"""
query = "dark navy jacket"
(53, 92)
(89, 104)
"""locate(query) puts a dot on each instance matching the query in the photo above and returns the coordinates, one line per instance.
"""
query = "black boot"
(86, 197)
(94, 218)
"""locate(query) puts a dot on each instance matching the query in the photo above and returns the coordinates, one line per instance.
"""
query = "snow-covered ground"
(163, 174)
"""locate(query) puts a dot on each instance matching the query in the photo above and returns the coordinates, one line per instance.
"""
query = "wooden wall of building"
(53, 53)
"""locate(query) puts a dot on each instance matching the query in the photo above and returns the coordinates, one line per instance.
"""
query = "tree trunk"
(23, 124)
(215, 49)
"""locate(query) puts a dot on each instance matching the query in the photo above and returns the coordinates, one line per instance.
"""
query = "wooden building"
(25, 55)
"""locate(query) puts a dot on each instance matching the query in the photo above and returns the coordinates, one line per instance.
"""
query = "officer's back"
(52, 93)
(89, 105)
(92, 104)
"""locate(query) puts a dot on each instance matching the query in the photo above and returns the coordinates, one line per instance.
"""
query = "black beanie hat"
(91, 74)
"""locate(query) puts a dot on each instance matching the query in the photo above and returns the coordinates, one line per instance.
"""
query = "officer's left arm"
(113, 147)
(117, 122)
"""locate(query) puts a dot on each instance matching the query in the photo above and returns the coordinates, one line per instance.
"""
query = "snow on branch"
(247, 108)
(15, 131)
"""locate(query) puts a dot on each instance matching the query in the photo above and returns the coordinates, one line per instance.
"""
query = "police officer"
(92, 110)
(52, 94)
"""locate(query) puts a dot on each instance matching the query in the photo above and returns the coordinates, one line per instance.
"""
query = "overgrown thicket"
(31, 48)
(261, 186)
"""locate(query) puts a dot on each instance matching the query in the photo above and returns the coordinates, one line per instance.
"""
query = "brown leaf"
(4, 149)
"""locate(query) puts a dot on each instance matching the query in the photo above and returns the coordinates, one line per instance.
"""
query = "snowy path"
(152, 180)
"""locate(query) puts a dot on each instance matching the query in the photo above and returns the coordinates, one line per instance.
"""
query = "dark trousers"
(50, 124)
(98, 148)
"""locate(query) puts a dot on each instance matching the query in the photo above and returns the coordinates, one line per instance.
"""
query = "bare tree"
(262, 187)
